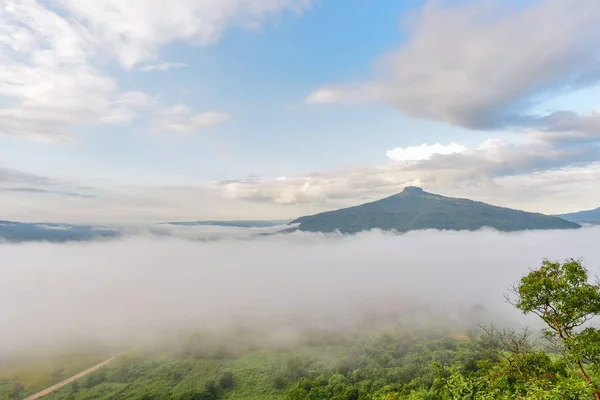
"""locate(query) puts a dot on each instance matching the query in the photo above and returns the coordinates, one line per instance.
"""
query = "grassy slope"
(163, 377)
(372, 364)
(257, 370)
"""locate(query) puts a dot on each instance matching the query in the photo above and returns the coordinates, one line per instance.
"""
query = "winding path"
(68, 380)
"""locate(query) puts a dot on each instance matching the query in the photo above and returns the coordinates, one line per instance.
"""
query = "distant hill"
(15, 232)
(414, 209)
(589, 216)
(231, 224)
(51, 232)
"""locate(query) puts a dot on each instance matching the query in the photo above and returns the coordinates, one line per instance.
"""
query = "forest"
(388, 358)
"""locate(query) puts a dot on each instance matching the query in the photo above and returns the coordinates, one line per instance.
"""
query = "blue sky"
(210, 102)
(261, 78)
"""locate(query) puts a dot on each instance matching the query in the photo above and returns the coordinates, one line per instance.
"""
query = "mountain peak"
(412, 189)
(415, 209)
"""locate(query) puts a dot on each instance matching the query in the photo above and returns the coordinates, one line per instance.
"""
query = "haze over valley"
(143, 286)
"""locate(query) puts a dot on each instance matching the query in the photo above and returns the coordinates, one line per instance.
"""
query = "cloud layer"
(556, 178)
(496, 171)
(60, 293)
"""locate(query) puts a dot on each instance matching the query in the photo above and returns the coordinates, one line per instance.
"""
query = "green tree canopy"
(561, 294)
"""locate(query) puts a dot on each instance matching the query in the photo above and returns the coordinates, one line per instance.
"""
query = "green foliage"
(405, 363)
(36, 374)
(559, 293)
(324, 365)
(17, 391)
(58, 374)
(562, 296)
(226, 380)
(95, 378)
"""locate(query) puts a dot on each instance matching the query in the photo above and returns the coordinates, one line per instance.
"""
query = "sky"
(144, 110)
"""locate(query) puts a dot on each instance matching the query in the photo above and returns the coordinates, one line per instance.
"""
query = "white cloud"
(341, 94)
(16, 184)
(12, 176)
(180, 119)
(134, 30)
(531, 176)
(565, 189)
(165, 66)
(51, 80)
(46, 77)
(482, 172)
(484, 66)
(569, 127)
(536, 175)
(424, 151)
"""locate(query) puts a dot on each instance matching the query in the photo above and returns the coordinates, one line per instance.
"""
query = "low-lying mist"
(136, 288)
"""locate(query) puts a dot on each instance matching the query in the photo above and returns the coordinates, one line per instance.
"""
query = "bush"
(226, 380)
(279, 381)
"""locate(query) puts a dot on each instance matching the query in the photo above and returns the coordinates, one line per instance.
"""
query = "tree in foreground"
(563, 297)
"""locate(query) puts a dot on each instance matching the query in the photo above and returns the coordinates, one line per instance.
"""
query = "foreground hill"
(414, 209)
(589, 216)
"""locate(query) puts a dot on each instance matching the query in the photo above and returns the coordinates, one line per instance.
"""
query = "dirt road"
(68, 380)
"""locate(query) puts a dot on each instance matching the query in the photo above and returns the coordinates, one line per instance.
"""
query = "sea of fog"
(59, 293)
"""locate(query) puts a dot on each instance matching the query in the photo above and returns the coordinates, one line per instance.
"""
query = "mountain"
(414, 209)
(589, 216)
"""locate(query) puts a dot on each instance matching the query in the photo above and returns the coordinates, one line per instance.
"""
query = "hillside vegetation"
(414, 209)
(391, 359)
